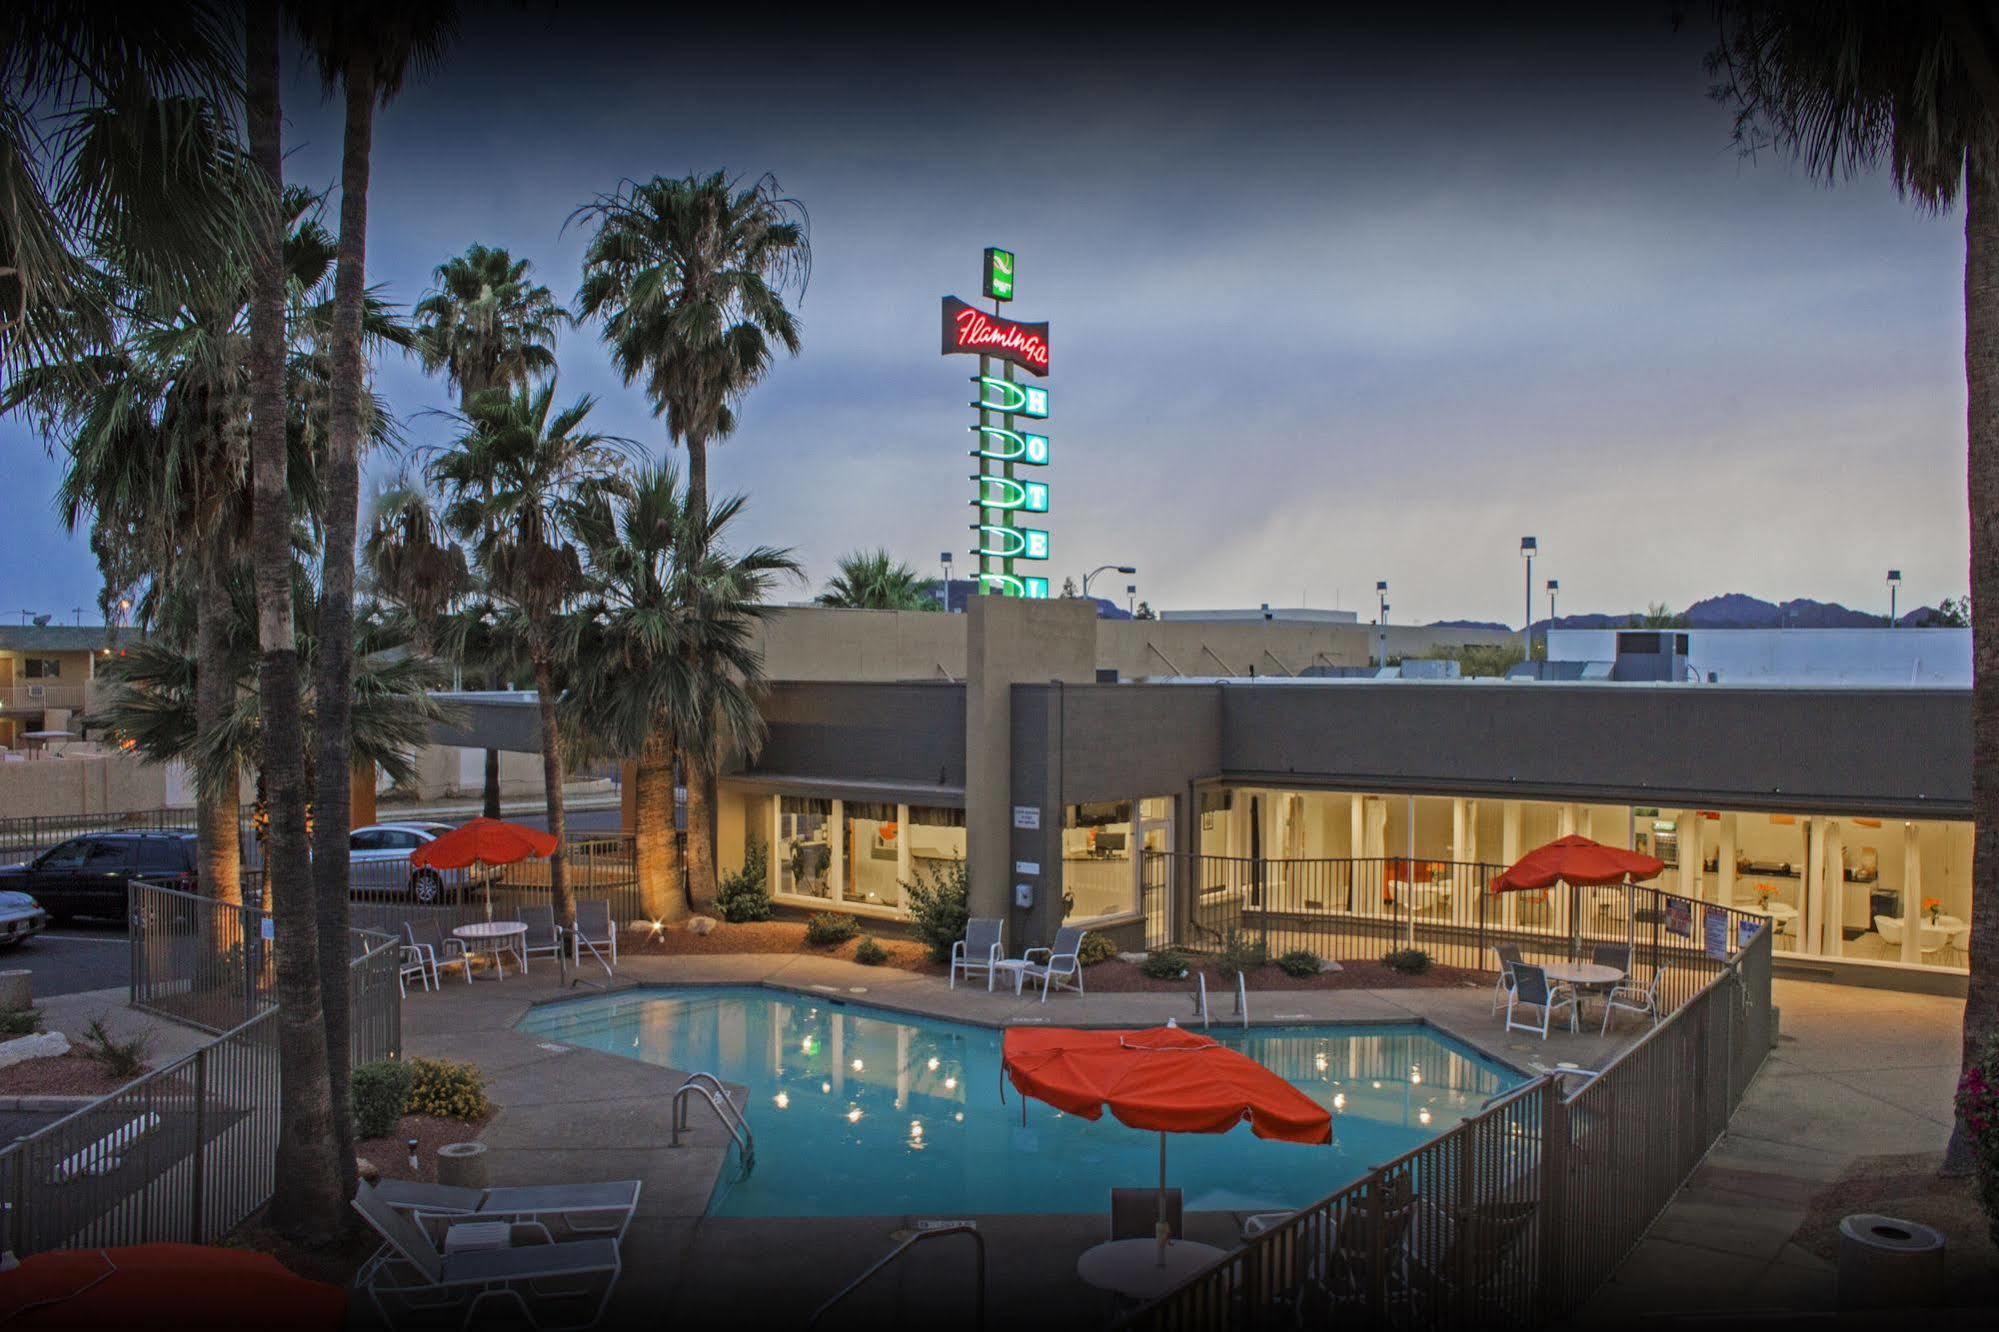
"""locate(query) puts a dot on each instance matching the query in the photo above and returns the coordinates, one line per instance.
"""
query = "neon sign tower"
(1005, 436)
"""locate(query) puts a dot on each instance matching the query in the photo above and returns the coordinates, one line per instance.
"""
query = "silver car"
(379, 855)
(20, 917)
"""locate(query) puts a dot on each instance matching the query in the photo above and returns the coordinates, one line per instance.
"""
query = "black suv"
(86, 876)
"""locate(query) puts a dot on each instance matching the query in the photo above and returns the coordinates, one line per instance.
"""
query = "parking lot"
(82, 955)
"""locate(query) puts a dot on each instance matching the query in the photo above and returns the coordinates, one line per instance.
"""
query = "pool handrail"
(928, 1233)
(710, 1089)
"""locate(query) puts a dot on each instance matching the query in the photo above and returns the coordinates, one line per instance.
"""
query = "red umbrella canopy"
(483, 842)
(1575, 860)
(1166, 1079)
(165, 1285)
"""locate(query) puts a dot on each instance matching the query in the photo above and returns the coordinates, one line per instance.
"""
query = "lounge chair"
(436, 949)
(595, 931)
(571, 1211)
(1507, 954)
(1060, 966)
(1632, 997)
(542, 935)
(1134, 1213)
(1532, 989)
(982, 949)
(1329, 1278)
(410, 1273)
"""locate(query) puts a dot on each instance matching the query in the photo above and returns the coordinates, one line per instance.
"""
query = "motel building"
(1166, 781)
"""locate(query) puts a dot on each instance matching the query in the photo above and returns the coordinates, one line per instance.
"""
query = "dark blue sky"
(1327, 306)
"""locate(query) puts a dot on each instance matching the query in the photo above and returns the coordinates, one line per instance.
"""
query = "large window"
(858, 853)
(872, 875)
(42, 668)
(804, 846)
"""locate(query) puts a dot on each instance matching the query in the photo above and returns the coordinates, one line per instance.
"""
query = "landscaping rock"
(701, 924)
(367, 1170)
(41, 1045)
(1133, 958)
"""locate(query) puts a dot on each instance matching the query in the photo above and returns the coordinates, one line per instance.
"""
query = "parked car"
(21, 917)
(86, 876)
(372, 850)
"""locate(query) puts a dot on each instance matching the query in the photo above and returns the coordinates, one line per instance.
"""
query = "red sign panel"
(967, 329)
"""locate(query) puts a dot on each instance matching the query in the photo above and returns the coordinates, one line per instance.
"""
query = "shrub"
(447, 1089)
(121, 1059)
(831, 927)
(1408, 961)
(938, 899)
(19, 1022)
(745, 895)
(1241, 954)
(1095, 948)
(1299, 962)
(379, 1091)
(869, 953)
(1978, 1107)
(1164, 964)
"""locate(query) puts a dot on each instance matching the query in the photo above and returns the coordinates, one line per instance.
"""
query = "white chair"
(1060, 967)
(1532, 989)
(595, 931)
(412, 964)
(436, 949)
(572, 1211)
(1507, 954)
(1930, 939)
(542, 936)
(1628, 995)
(980, 950)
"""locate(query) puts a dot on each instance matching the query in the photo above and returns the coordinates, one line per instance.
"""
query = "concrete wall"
(911, 733)
(113, 783)
(818, 643)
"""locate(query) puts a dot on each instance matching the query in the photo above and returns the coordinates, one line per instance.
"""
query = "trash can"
(1885, 1263)
(462, 1165)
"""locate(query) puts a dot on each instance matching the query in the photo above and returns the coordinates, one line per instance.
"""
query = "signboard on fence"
(1680, 917)
(1745, 930)
(1714, 929)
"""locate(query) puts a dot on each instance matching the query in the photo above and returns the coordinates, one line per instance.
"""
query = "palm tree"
(1848, 87)
(414, 566)
(515, 483)
(368, 48)
(671, 637)
(488, 325)
(875, 580)
(111, 141)
(689, 278)
(307, 1202)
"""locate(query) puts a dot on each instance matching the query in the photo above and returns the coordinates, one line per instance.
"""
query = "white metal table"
(1015, 967)
(1581, 976)
(497, 938)
(1132, 1268)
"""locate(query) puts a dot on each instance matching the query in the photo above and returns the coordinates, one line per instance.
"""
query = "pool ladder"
(710, 1089)
(1201, 998)
(929, 1232)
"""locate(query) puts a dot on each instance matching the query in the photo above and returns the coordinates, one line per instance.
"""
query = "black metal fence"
(1515, 1217)
(25, 837)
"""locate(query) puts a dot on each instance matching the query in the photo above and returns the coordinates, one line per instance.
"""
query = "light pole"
(1131, 598)
(944, 591)
(1527, 548)
(1894, 585)
(1101, 568)
(1554, 586)
(1381, 621)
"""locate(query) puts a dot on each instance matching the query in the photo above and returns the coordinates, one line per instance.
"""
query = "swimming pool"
(860, 1111)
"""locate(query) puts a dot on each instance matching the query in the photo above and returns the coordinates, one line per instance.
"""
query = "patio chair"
(571, 1211)
(410, 1274)
(1612, 955)
(1632, 997)
(1337, 1278)
(1134, 1212)
(1471, 1270)
(437, 949)
(596, 931)
(1059, 967)
(542, 935)
(982, 949)
(411, 963)
(1532, 989)
(1507, 954)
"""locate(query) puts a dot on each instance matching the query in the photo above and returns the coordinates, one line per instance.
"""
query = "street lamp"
(1894, 585)
(1131, 598)
(1121, 568)
(944, 591)
(1554, 586)
(1381, 621)
(1528, 547)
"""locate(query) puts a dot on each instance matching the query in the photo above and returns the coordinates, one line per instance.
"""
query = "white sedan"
(379, 856)
(20, 917)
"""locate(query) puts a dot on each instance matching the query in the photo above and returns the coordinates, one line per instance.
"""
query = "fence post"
(1374, 1201)
(1554, 1196)
(195, 1194)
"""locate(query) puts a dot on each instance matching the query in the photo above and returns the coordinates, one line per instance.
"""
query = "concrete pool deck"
(568, 1115)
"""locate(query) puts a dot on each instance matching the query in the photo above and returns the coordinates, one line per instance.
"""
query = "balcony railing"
(37, 697)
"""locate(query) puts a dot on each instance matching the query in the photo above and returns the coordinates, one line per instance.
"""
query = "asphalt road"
(82, 955)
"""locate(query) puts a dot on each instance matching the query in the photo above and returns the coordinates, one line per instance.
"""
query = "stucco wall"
(109, 784)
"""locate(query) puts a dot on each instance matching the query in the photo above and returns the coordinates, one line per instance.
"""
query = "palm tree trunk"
(551, 777)
(306, 1203)
(217, 800)
(333, 693)
(700, 833)
(697, 473)
(1981, 378)
(489, 791)
(658, 851)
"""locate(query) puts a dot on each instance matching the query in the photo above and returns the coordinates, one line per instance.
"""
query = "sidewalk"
(1856, 1073)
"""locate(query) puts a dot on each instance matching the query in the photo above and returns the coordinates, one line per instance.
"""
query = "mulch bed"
(391, 1155)
(773, 936)
(72, 1074)
(1910, 1189)
(1115, 977)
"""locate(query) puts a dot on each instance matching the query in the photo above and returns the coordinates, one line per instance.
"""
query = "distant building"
(1283, 614)
(46, 675)
(1933, 657)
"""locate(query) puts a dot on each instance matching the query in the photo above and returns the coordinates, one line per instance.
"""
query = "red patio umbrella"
(165, 1285)
(1575, 860)
(483, 842)
(1167, 1079)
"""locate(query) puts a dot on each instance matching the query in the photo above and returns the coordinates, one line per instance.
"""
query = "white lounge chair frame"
(579, 1211)
(1061, 967)
(1632, 997)
(411, 964)
(454, 954)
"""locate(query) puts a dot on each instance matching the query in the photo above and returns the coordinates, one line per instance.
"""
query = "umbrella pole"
(1159, 1227)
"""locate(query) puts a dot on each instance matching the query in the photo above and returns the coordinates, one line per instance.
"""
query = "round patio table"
(497, 938)
(1583, 976)
(1132, 1268)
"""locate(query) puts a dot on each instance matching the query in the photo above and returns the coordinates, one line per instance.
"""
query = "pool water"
(858, 1111)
